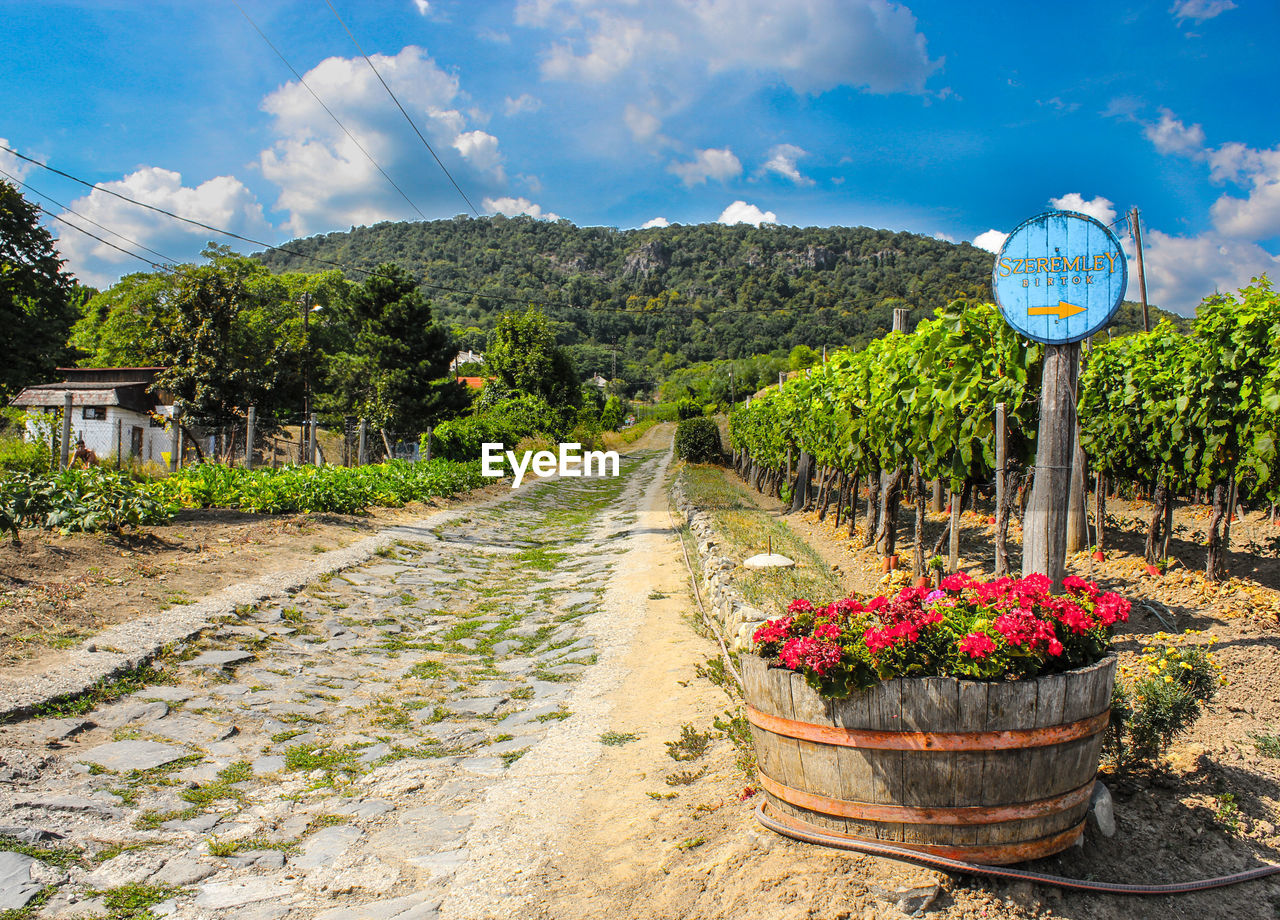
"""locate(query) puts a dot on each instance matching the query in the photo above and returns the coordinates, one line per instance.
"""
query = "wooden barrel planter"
(986, 772)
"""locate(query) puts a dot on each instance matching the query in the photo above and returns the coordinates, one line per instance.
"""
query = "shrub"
(1160, 697)
(698, 440)
(507, 422)
(686, 408)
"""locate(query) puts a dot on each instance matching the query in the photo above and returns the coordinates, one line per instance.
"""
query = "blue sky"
(940, 118)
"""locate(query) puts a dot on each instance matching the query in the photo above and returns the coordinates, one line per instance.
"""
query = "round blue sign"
(1059, 277)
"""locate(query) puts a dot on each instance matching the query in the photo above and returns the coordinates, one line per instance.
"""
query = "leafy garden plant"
(1160, 696)
(1002, 629)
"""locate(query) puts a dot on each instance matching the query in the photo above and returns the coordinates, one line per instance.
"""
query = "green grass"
(135, 900)
(617, 739)
(222, 787)
(104, 691)
(62, 857)
(562, 713)
(428, 670)
(745, 530)
(691, 744)
(1266, 745)
(225, 848)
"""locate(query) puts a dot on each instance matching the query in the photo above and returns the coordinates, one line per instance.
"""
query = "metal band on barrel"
(999, 854)
(924, 814)
(930, 741)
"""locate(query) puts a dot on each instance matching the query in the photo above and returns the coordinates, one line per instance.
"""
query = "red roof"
(476, 383)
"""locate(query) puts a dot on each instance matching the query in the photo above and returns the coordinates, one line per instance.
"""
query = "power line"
(154, 265)
(329, 111)
(90, 220)
(403, 112)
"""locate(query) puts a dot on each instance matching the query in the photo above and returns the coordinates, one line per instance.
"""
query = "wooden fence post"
(953, 551)
(64, 449)
(1002, 514)
(249, 427)
(361, 449)
(174, 440)
(314, 446)
(119, 442)
(1044, 538)
(427, 458)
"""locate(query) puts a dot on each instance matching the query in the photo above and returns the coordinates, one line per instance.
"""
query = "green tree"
(37, 298)
(394, 370)
(523, 354)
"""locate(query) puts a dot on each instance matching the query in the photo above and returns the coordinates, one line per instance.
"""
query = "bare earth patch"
(56, 590)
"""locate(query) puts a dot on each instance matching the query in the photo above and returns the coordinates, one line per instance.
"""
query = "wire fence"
(156, 442)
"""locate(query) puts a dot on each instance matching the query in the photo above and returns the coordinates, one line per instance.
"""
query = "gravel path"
(391, 741)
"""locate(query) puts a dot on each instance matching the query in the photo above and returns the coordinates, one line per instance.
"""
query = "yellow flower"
(1168, 679)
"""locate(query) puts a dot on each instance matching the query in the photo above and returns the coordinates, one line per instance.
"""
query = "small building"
(474, 383)
(114, 410)
(466, 357)
(598, 381)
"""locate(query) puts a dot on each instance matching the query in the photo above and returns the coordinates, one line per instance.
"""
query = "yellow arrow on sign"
(1062, 310)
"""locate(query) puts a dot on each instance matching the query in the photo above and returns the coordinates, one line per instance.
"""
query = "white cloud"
(782, 160)
(522, 103)
(812, 45)
(1200, 10)
(1256, 216)
(990, 240)
(1171, 136)
(1182, 270)
(718, 164)
(424, 6)
(324, 179)
(514, 207)
(220, 202)
(11, 164)
(655, 222)
(480, 149)
(945, 237)
(642, 124)
(742, 213)
(1098, 208)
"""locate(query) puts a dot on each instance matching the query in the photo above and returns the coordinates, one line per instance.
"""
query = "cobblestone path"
(348, 754)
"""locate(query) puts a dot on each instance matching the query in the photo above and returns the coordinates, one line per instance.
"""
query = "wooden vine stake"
(1002, 510)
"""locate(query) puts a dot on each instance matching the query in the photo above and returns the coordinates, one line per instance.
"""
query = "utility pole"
(306, 355)
(1135, 230)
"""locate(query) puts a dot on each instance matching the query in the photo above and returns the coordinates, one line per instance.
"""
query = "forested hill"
(665, 296)
(698, 292)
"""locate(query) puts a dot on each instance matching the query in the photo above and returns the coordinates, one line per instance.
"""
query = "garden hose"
(945, 864)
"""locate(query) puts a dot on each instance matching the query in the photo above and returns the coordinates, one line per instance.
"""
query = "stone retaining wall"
(737, 619)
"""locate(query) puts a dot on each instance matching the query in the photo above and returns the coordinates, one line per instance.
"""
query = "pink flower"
(773, 631)
(809, 652)
(1076, 585)
(977, 645)
(827, 631)
(1111, 609)
(799, 605)
(957, 582)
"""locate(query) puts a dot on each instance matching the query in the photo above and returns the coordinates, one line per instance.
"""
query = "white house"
(113, 410)
(466, 357)
(599, 381)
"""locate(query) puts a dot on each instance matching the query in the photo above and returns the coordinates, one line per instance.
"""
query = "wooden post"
(900, 315)
(935, 503)
(174, 440)
(119, 442)
(427, 458)
(64, 449)
(1002, 514)
(249, 427)
(1044, 535)
(315, 431)
(1077, 523)
(953, 560)
(1135, 228)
